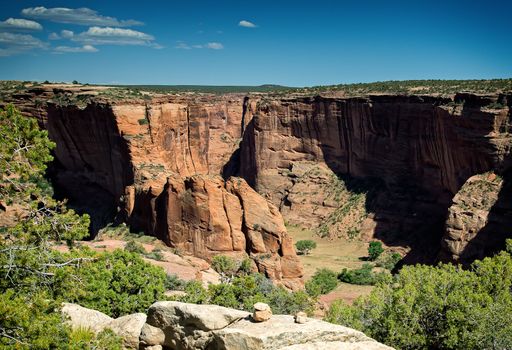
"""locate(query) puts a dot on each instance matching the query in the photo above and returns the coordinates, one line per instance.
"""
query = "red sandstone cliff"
(420, 150)
(156, 165)
(387, 167)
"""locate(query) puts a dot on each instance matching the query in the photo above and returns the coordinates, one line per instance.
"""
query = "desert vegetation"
(438, 307)
(305, 246)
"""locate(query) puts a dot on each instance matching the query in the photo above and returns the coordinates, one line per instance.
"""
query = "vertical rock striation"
(156, 165)
(382, 166)
(421, 148)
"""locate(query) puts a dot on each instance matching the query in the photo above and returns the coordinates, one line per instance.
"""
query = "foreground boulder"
(127, 327)
(187, 326)
(181, 326)
(81, 317)
(281, 332)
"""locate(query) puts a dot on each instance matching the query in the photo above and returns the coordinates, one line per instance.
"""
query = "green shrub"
(134, 247)
(362, 276)
(322, 282)
(305, 246)
(86, 339)
(375, 250)
(224, 265)
(442, 307)
(195, 293)
(30, 322)
(173, 282)
(116, 283)
(155, 254)
(388, 261)
(243, 291)
(245, 266)
(143, 121)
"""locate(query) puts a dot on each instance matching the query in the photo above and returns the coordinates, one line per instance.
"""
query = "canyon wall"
(157, 164)
(384, 166)
(420, 150)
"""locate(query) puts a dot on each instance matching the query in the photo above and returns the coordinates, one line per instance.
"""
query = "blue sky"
(295, 43)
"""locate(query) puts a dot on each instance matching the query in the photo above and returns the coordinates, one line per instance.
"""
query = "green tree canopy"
(305, 246)
(438, 307)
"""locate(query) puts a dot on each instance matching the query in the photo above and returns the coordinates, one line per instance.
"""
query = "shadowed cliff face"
(422, 149)
(93, 163)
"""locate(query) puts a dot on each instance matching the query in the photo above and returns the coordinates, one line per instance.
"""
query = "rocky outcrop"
(421, 150)
(478, 219)
(281, 332)
(127, 327)
(205, 215)
(187, 326)
(181, 326)
(104, 148)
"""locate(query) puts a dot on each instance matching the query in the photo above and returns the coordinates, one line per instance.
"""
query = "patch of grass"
(134, 247)
(364, 276)
(155, 254)
(331, 254)
(173, 282)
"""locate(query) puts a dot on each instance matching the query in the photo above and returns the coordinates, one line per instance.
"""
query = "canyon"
(221, 174)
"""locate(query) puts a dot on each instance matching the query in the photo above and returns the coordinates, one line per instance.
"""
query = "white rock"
(153, 347)
(261, 307)
(190, 326)
(301, 317)
(150, 335)
(339, 345)
(81, 317)
(281, 331)
(128, 327)
(262, 312)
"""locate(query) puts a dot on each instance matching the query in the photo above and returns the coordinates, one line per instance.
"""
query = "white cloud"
(17, 43)
(68, 34)
(215, 46)
(80, 16)
(184, 46)
(115, 36)
(19, 24)
(246, 24)
(64, 34)
(67, 49)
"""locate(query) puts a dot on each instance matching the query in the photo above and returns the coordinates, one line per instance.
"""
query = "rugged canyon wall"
(415, 151)
(390, 167)
(156, 163)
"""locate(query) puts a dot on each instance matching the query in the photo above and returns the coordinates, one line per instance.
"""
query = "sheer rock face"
(423, 149)
(157, 165)
(204, 215)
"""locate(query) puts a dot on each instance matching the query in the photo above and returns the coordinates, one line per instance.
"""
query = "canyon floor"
(336, 255)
